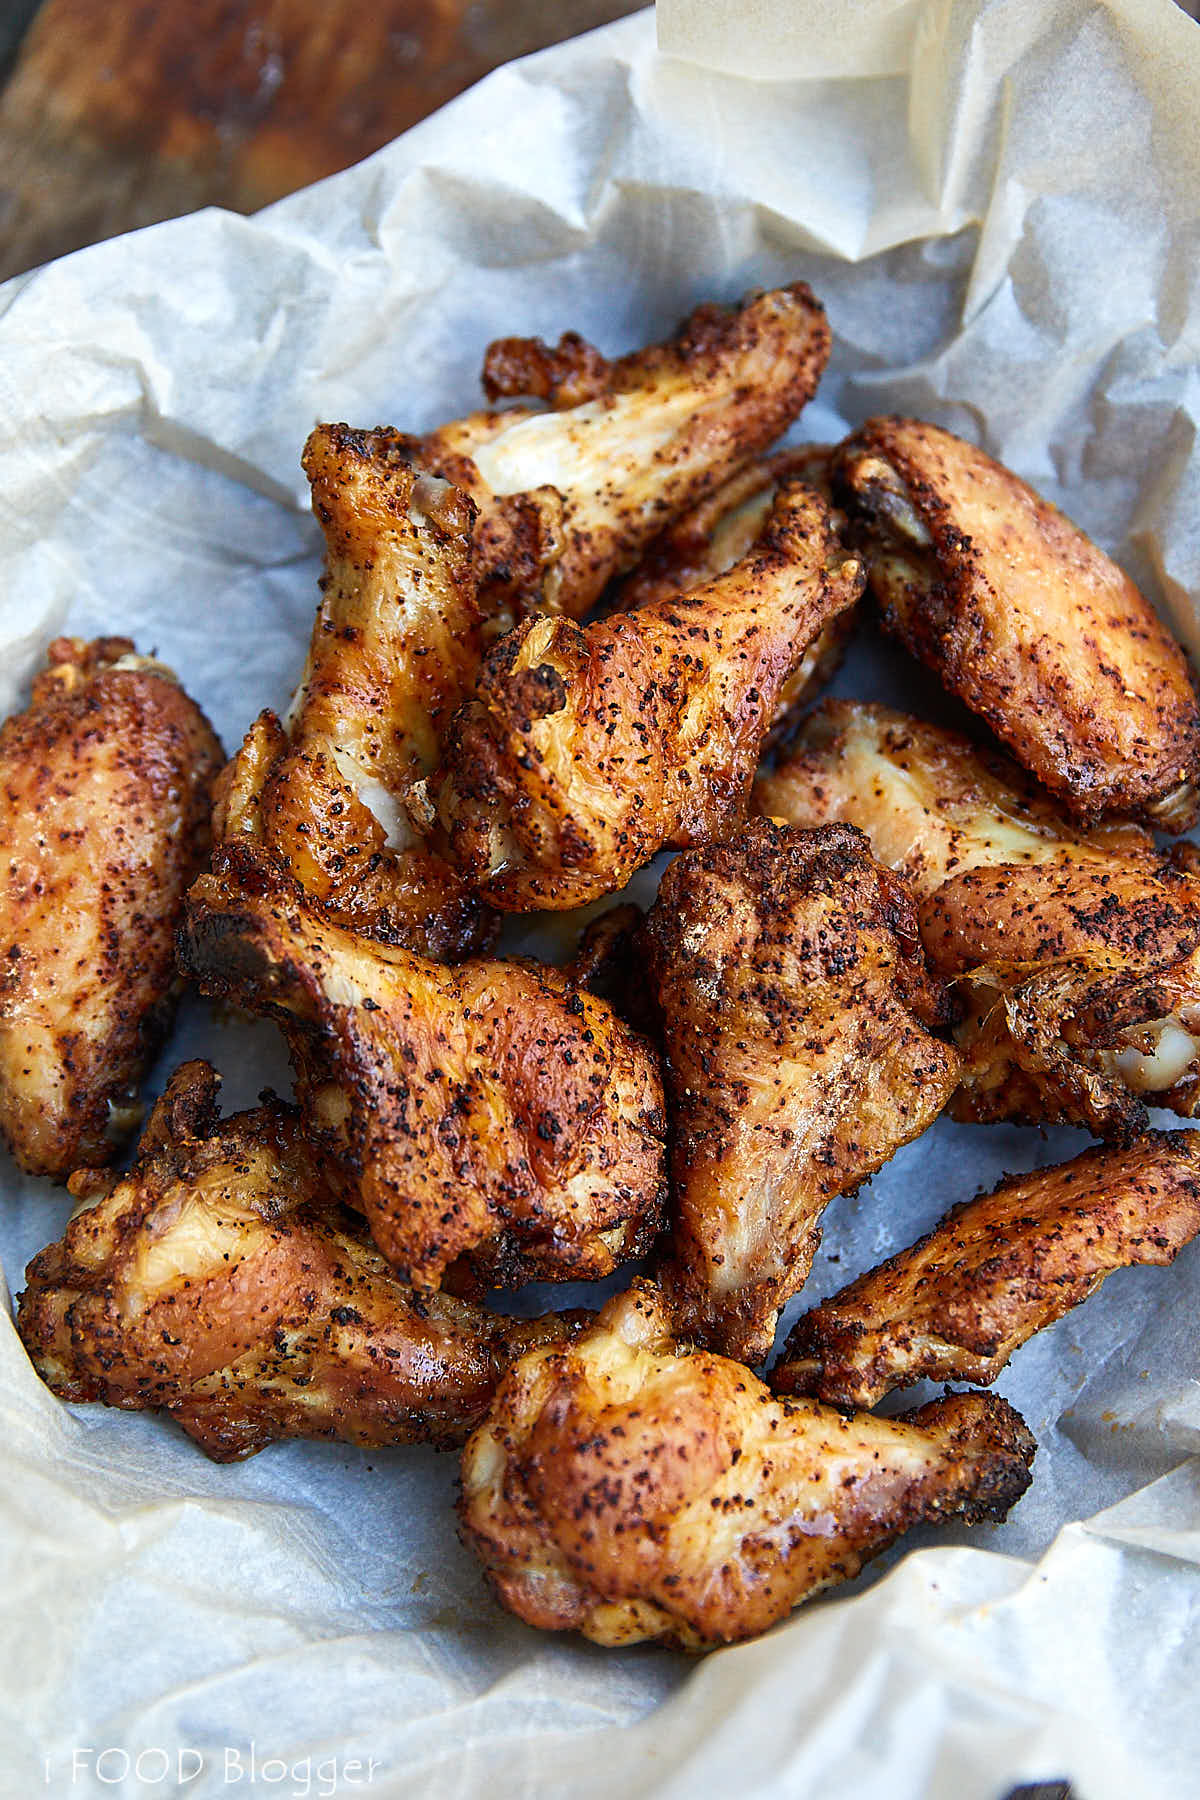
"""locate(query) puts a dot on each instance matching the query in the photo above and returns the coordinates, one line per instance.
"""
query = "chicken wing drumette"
(587, 749)
(573, 487)
(221, 1280)
(1022, 617)
(1075, 952)
(494, 1110)
(718, 533)
(795, 1008)
(955, 1305)
(627, 1489)
(106, 781)
(395, 648)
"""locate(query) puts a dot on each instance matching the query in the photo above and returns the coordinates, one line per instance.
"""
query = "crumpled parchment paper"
(998, 204)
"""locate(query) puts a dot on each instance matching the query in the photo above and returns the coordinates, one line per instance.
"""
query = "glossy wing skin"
(628, 1489)
(490, 1111)
(1073, 950)
(795, 1008)
(1026, 620)
(933, 804)
(997, 1269)
(106, 781)
(715, 535)
(221, 1280)
(587, 749)
(395, 648)
(572, 489)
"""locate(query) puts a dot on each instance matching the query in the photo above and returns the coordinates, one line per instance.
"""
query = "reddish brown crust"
(1028, 622)
(957, 1303)
(105, 781)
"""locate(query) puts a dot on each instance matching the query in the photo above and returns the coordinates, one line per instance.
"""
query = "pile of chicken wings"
(557, 637)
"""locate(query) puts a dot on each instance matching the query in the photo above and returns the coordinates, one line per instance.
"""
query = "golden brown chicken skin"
(796, 1009)
(955, 1305)
(572, 488)
(395, 648)
(105, 782)
(1074, 951)
(933, 804)
(716, 534)
(626, 1489)
(1025, 620)
(588, 749)
(493, 1111)
(221, 1280)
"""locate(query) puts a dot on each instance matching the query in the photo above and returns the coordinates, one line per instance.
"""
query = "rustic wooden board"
(116, 115)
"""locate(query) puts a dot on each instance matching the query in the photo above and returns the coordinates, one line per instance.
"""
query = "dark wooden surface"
(116, 115)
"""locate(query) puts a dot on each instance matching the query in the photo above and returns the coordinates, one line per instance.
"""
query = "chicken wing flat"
(588, 749)
(718, 533)
(395, 648)
(627, 1489)
(572, 488)
(1022, 617)
(933, 804)
(795, 1006)
(1075, 951)
(221, 1280)
(999, 1268)
(492, 1110)
(106, 780)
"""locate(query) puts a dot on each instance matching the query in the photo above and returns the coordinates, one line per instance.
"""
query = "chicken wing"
(715, 535)
(586, 750)
(572, 489)
(106, 782)
(395, 648)
(932, 803)
(1075, 951)
(221, 1280)
(493, 1110)
(796, 1007)
(1022, 617)
(955, 1305)
(626, 1489)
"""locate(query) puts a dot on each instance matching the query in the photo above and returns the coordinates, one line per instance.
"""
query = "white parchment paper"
(998, 204)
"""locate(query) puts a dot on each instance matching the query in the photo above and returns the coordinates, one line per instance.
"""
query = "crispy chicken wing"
(395, 648)
(1075, 951)
(106, 782)
(221, 1280)
(795, 1005)
(494, 1110)
(626, 1489)
(718, 533)
(955, 1305)
(586, 750)
(573, 488)
(1022, 617)
(932, 803)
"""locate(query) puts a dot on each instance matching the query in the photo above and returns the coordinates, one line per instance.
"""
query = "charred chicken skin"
(106, 781)
(494, 1110)
(718, 533)
(221, 1280)
(572, 487)
(628, 1489)
(796, 1009)
(587, 749)
(1074, 952)
(1025, 620)
(395, 648)
(955, 1305)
